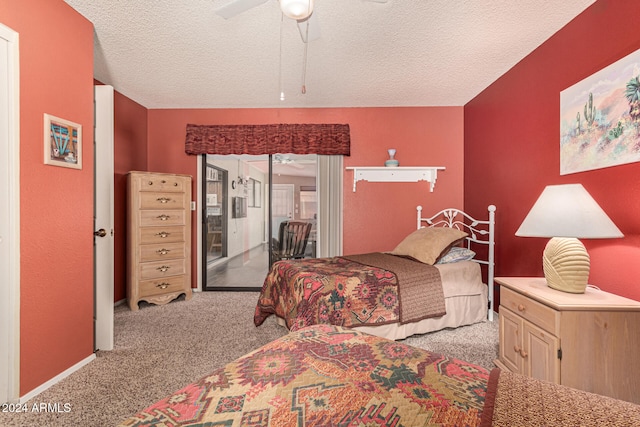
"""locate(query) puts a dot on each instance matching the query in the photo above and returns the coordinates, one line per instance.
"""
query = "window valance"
(326, 139)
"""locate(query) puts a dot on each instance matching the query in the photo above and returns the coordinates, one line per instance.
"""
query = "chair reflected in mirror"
(292, 240)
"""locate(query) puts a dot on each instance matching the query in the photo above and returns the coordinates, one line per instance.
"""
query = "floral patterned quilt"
(350, 291)
(326, 375)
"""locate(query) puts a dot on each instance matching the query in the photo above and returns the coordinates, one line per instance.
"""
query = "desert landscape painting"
(600, 118)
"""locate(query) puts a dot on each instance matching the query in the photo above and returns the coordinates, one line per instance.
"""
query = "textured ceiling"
(181, 54)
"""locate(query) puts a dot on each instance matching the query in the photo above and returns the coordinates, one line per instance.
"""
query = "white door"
(9, 217)
(103, 219)
(282, 200)
(281, 206)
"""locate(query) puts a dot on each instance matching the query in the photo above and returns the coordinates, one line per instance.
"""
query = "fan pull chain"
(304, 60)
(280, 62)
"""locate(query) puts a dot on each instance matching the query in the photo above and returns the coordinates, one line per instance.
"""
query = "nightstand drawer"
(540, 315)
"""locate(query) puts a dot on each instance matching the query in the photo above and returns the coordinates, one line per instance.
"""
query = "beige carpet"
(160, 349)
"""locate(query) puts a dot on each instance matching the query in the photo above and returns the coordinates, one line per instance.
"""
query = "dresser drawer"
(167, 268)
(163, 201)
(164, 251)
(539, 314)
(164, 183)
(170, 234)
(161, 217)
(161, 286)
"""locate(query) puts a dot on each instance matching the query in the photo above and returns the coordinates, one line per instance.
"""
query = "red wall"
(130, 154)
(56, 204)
(378, 215)
(512, 147)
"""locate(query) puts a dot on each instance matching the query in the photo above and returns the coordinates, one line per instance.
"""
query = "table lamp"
(566, 213)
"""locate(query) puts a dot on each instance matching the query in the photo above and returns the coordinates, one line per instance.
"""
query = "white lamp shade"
(297, 9)
(567, 210)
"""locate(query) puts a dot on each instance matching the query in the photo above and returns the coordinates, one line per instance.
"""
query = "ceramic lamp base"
(566, 265)
(391, 163)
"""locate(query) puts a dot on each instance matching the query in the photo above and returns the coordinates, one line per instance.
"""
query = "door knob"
(100, 233)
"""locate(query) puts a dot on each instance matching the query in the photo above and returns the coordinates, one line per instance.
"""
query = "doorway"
(215, 212)
(261, 192)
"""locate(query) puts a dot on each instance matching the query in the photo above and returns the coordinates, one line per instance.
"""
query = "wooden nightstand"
(587, 341)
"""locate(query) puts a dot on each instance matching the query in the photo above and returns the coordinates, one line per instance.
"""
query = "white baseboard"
(36, 391)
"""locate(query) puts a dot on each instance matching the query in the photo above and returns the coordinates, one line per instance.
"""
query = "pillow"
(456, 254)
(428, 244)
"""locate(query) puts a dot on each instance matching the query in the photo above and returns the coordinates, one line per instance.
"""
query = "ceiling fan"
(299, 10)
(296, 163)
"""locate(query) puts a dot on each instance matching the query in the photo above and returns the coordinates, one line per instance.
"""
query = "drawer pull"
(517, 349)
(521, 307)
(162, 234)
(163, 268)
(163, 251)
(523, 353)
(163, 199)
(175, 184)
(150, 182)
(163, 181)
(163, 217)
(163, 285)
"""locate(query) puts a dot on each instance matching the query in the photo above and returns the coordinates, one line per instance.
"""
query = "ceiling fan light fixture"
(297, 9)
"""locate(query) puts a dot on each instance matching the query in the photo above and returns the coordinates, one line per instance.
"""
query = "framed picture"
(600, 118)
(255, 193)
(62, 142)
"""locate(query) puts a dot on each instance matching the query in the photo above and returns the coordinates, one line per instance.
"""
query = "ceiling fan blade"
(313, 31)
(236, 7)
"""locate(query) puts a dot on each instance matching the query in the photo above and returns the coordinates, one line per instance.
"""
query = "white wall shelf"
(396, 174)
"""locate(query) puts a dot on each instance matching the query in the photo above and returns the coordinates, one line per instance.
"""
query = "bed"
(432, 280)
(325, 375)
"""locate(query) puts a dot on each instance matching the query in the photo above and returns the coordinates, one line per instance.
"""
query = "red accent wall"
(512, 147)
(378, 215)
(56, 204)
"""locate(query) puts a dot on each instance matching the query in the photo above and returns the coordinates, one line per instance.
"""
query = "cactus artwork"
(600, 118)
(616, 132)
(589, 110)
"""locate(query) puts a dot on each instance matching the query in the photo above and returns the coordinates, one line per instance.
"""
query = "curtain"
(330, 206)
(324, 139)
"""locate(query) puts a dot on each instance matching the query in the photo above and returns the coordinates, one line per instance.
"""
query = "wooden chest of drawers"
(158, 237)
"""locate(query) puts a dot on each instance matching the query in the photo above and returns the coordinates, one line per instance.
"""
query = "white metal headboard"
(481, 232)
